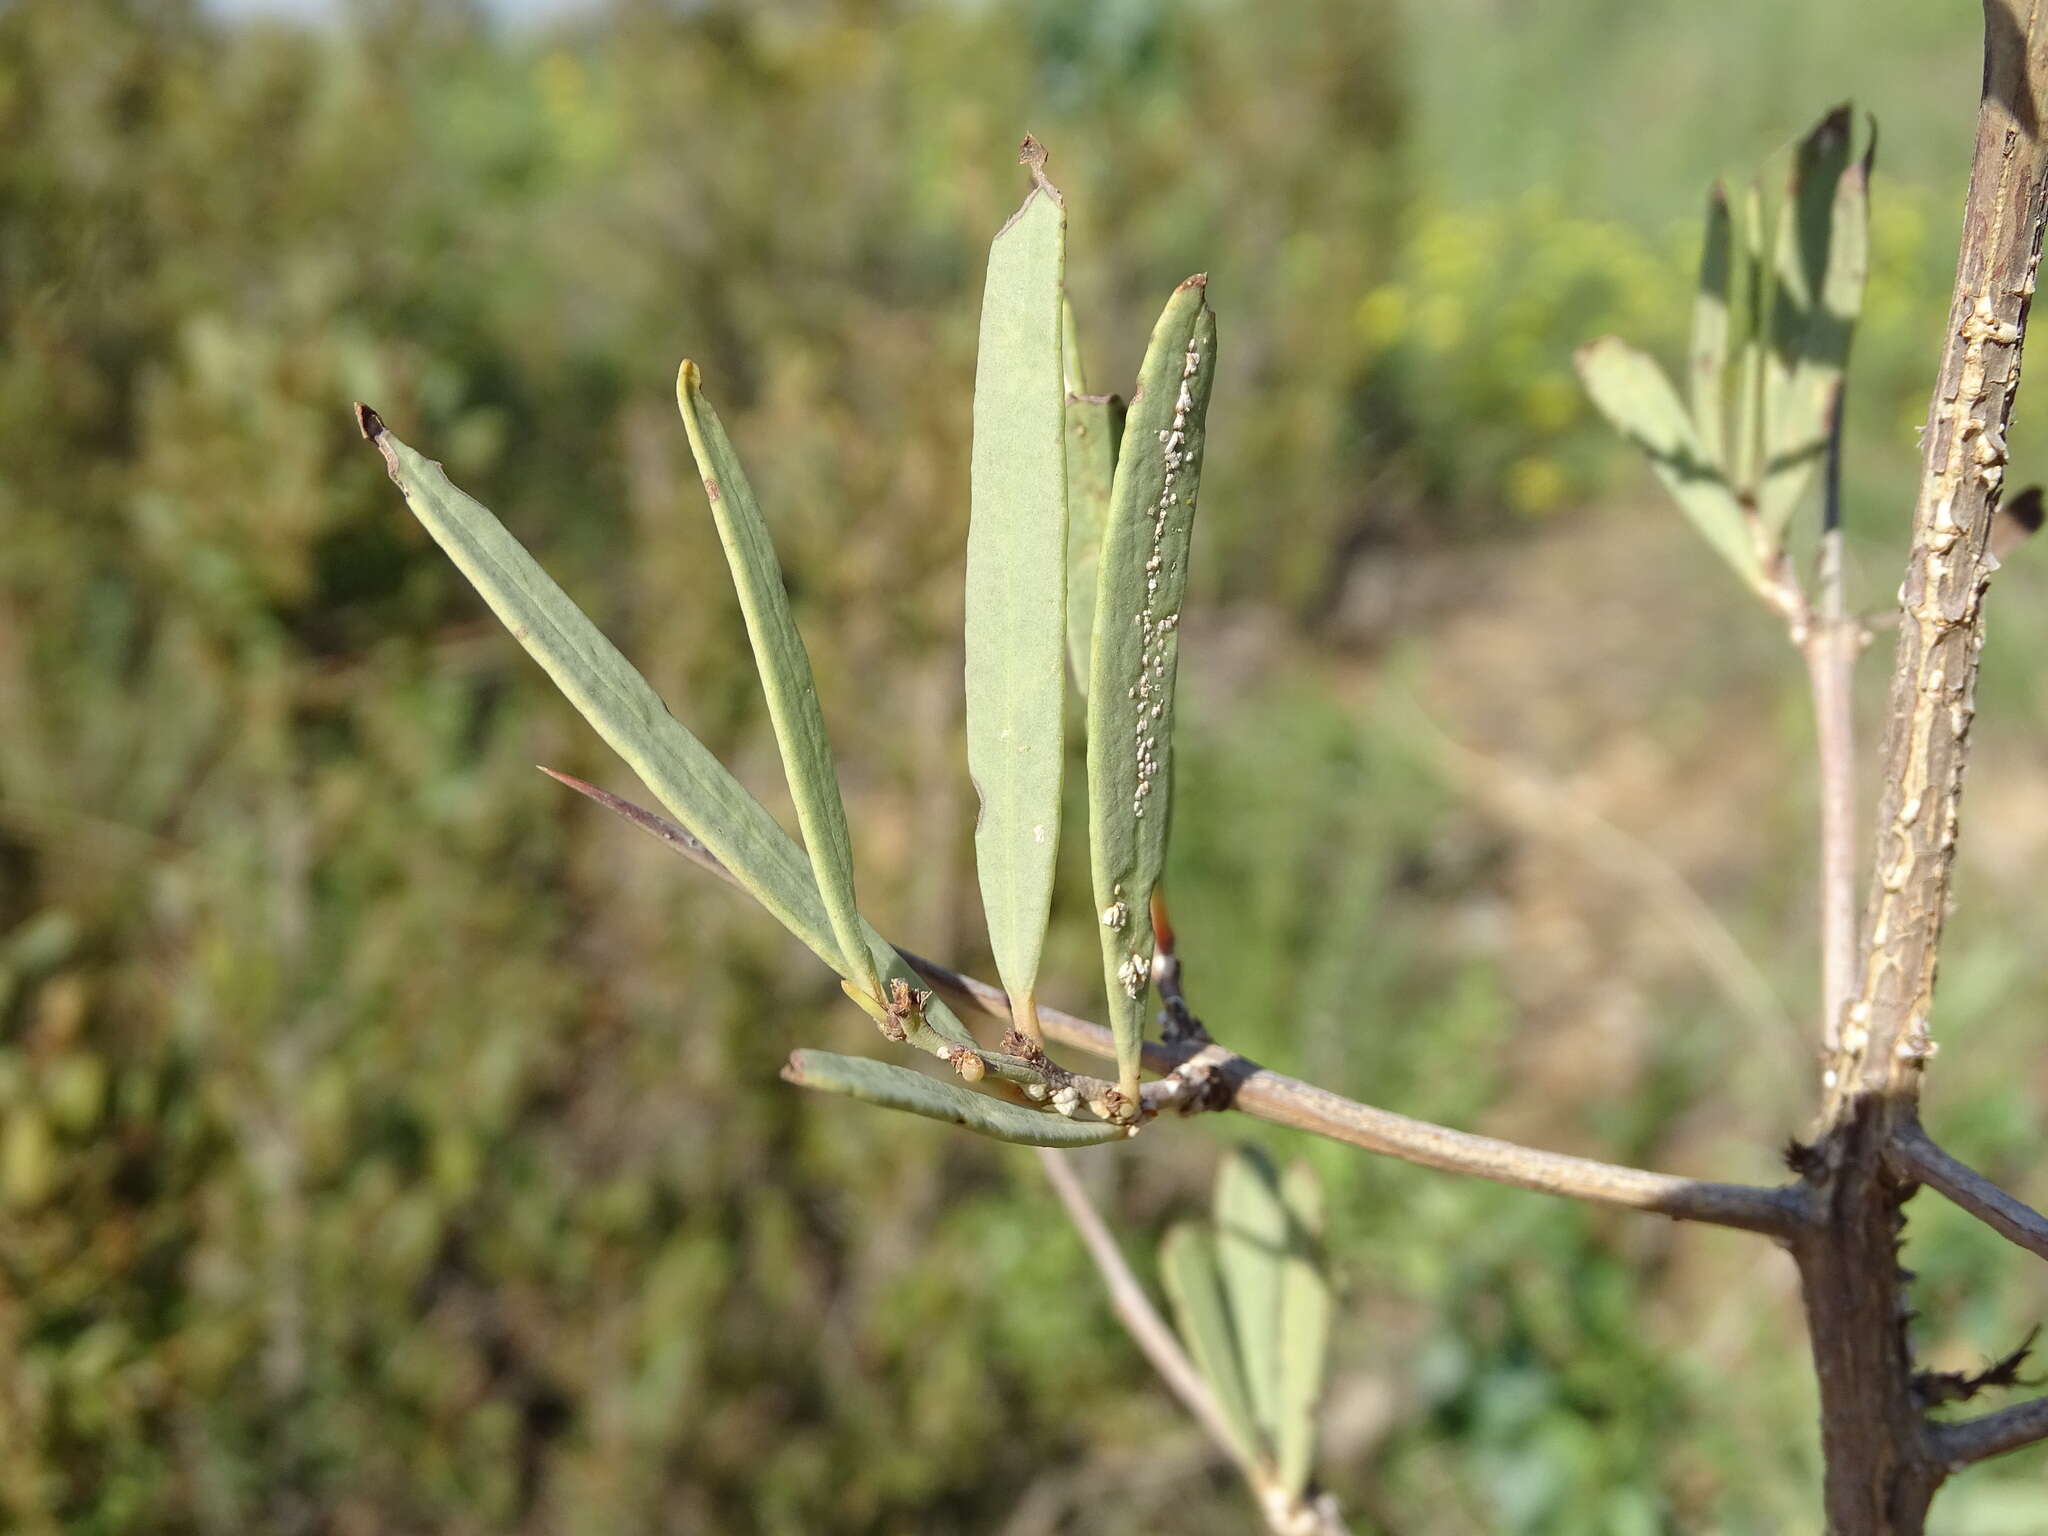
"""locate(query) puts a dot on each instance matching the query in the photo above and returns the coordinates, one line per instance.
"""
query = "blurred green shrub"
(380, 1146)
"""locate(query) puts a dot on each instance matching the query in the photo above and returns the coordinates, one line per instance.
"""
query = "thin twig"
(1992, 1434)
(1282, 1100)
(1782, 1212)
(1829, 648)
(1134, 1309)
(1916, 1155)
(1285, 1513)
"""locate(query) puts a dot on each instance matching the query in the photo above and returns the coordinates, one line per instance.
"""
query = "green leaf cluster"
(1781, 282)
(1057, 503)
(1251, 1294)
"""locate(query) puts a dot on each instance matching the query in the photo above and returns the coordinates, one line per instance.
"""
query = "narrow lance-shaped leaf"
(1251, 1244)
(1187, 1267)
(1136, 655)
(1632, 392)
(785, 668)
(1304, 1328)
(1818, 270)
(1095, 425)
(1016, 587)
(629, 715)
(1710, 331)
(892, 1087)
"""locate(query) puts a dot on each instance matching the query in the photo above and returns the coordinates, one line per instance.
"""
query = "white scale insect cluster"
(1155, 631)
(1134, 973)
(1155, 628)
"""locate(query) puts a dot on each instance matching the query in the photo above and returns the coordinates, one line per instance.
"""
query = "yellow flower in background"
(1440, 320)
(1550, 402)
(563, 86)
(1382, 315)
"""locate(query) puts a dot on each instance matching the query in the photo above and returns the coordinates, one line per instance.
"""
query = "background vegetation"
(390, 1143)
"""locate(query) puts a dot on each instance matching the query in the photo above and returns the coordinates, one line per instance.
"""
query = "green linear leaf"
(1632, 392)
(629, 715)
(1095, 425)
(1136, 654)
(785, 668)
(1016, 588)
(1187, 1268)
(877, 1082)
(1251, 1242)
(1710, 326)
(1305, 1306)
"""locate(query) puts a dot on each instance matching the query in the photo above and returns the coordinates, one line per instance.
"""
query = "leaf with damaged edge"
(1632, 392)
(1016, 587)
(1136, 653)
(785, 668)
(1095, 425)
(877, 1082)
(629, 715)
(1187, 1268)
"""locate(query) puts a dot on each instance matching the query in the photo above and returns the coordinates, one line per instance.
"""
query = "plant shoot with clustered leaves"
(1083, 509)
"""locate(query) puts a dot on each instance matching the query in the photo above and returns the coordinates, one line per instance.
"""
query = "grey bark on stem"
(1884, 1462)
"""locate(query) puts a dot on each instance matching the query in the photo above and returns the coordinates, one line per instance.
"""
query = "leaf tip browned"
(1033, 153)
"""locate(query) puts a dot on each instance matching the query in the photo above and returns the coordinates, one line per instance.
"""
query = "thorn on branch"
(1934, 1388)
(1802, 1158)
